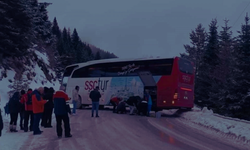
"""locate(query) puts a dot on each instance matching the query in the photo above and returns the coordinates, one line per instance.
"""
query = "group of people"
(142, 106)
(37, 105)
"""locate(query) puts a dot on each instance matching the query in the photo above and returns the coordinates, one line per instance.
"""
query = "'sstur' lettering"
(90, 85)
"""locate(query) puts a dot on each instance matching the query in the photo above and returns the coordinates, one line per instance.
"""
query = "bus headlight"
(172, 102)
(164, 101)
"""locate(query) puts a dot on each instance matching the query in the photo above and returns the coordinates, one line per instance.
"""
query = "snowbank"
(205, 117)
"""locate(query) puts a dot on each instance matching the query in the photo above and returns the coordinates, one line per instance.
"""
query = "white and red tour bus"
(174, 79)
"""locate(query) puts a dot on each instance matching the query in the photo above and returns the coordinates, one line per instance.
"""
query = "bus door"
(149, 84)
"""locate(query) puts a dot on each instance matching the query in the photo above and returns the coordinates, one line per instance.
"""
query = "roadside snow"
(226, 125)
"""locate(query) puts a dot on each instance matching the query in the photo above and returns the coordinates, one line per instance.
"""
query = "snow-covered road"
(118, 131)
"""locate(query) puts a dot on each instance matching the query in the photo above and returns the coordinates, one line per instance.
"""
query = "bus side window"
(113, 71)
(96, 72)
(80, 73)
(161, 69)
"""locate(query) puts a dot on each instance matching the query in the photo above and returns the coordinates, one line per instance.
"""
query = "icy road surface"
(123, 132)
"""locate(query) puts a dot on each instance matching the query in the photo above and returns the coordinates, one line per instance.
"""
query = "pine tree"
(239, 97)
(224, 69)
(206, 80)
(55, 29)
(45, 28)
(195, 52)
(15, 28)
(77, 46)
(97, 56)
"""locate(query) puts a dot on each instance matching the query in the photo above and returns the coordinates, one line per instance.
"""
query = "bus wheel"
(101, 107)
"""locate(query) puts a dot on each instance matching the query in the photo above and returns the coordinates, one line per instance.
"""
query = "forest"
(222, 68)
(25, 26)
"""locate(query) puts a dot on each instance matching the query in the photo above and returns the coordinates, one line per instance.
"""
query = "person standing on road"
(75, 98)
(45, 97)
(28, 114)
(149, 101)
(14, 108)
(22, 111)
(48, 108)
(95, 97)
(38, 108)
(61, 110)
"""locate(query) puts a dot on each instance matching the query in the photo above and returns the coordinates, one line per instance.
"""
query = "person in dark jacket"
(45, 97)
(28, 115)
(95, 97)
(1, 123)
(48, 108)
(14, 108)
(22, 111)
(132, 102)
(142, 107)
(121, 108)
(61, 110)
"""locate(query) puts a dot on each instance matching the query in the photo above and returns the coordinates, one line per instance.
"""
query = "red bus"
(170, 80)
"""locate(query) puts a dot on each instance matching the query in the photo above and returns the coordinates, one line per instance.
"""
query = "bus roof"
(92, 62)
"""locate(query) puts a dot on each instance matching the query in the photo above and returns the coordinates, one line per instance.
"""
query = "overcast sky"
(139, 28)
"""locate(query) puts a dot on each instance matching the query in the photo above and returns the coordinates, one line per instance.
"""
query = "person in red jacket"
(28, 114)
(115, 101)
(61, 110)
(38, 108)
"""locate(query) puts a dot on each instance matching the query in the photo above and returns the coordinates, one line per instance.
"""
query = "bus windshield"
(185, 66)
(67, 73)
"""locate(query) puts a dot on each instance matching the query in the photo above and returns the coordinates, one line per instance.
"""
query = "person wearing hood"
(38, 108)
(28, 114)
(14, 109)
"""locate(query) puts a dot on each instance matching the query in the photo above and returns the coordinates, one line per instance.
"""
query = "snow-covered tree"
(206, 81)
(238, 98)
(196, 50)
(15, 28)
(17, 85)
